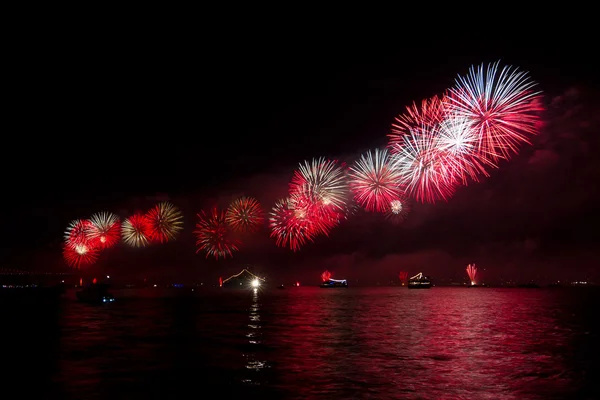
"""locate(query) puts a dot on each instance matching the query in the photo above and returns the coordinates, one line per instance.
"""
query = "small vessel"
(280, 287)
(334, 283)
(95, 293)
(419, 281)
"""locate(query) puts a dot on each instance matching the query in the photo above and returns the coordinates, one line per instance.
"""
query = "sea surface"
(300, 343)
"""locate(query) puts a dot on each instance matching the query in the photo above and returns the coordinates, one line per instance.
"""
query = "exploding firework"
(430, 113)
(287, 228)
(325, 276)
(104, 229)
(213, 235)
(136, 230)
(502, 105)
(244, 215)
(77, 233)
(321, 182)
(403, 277)
(374, 181)
(472, 271)
(426, 173)
(80, 255)
(397, 210)
(457, 140)
(165, 221)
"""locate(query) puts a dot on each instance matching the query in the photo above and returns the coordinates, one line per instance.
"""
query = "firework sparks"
(325, 276)
(244, 215)
(427, 173)
(77, 233)
(502, 105)
(430, 113)
(287, 228)
(374, 181)
(135, 231)
(472, 272)
(164, 221)
(322, 182)
(104, 229)
(213, 235)
(397, 210)
(80, 255)
(403, 275)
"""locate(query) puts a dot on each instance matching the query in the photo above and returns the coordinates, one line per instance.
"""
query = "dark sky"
(117, 124)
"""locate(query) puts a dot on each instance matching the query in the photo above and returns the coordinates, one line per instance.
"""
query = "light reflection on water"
(310, 343)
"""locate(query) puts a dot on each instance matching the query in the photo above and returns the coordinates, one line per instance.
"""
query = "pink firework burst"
(214, 236)
(457, 140)
(429, 113)
(374, 180)
(80, 255)
(287, 227)
(325, 276)
(322, 182)
(501, 103)
(426, 173)
(244, 215)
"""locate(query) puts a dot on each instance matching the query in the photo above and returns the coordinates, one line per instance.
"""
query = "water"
(301, 343)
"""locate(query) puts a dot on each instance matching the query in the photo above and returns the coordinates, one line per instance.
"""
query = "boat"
(419, 281)
(95, 293)
(280, 287)
(334, 283)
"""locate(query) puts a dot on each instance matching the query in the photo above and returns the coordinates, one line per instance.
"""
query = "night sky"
(119, 126)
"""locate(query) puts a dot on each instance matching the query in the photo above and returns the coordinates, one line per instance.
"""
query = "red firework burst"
(80, 255)
(214, 235)
(502, 105)
(319, 218)
(77, 233)
(374, 181)
(287, 228)
(244, 215)
(164, 221)
(104, 230)
(325, 276)
(430, 113)
(136, 230)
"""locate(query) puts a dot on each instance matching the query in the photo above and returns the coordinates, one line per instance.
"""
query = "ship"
(334, 283)
(95, 293)
(242, 280)
(419, 281)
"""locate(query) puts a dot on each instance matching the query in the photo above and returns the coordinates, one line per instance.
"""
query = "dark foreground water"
(375, 343)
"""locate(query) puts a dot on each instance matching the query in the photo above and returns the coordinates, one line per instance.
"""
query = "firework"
(80, 255)
(165, 221)
(325, 276)
(136, 230)
(403, 275)
(104, 229)
(456, 139)
(425, 172)
(321, 182)
(397, 210)
(244, 215)
(430, 113)
(213, 235)
(374, 181)
(472, 271)
(502, 105)
(77, 233)
(287, 228)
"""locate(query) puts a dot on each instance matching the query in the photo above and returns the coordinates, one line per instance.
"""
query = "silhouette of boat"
(419, 281)
(334, 283)
(95, 293)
